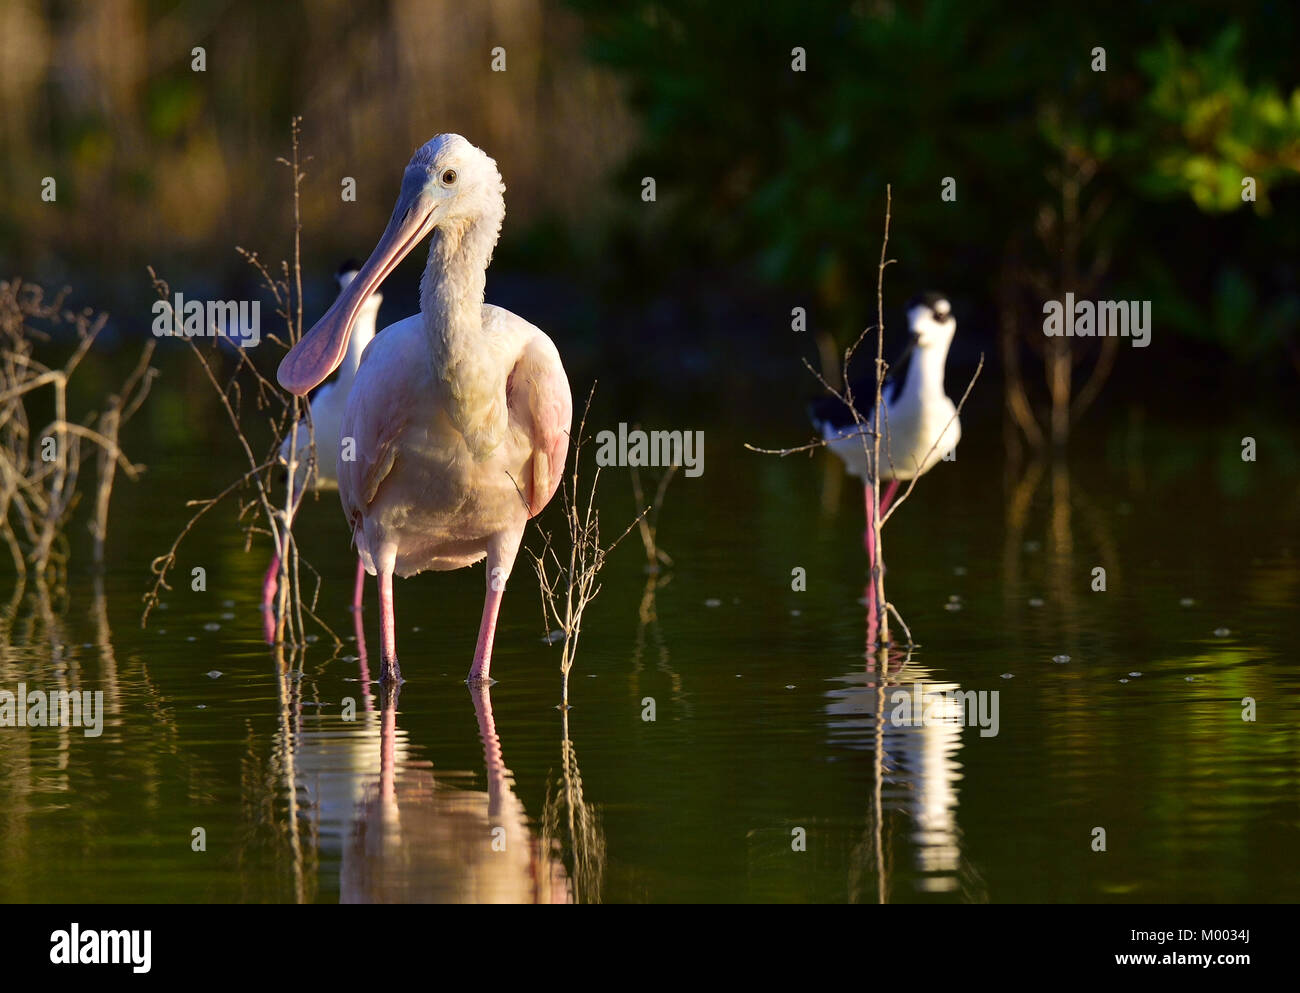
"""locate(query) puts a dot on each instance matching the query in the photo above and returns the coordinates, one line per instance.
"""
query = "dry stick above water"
(282, 414)
(576, 581)
(871, 438)
(38, 492)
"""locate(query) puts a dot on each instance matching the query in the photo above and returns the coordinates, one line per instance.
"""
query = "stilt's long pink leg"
(888, 498)
(869, 536)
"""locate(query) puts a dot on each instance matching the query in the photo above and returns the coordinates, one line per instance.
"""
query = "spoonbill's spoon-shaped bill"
(419, 205)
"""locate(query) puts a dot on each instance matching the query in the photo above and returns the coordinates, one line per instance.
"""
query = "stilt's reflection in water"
(911, 724)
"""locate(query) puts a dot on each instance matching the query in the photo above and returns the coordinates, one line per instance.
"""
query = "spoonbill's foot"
(390, 673)
(388, 694)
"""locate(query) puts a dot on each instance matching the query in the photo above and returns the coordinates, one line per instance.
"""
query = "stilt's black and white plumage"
(920, 424)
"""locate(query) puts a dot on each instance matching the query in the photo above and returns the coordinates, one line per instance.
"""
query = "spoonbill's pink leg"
(389, 671)
(487, 630)
(502, 549)
(358, 590)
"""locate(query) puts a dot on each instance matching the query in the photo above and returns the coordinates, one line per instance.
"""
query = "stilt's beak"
(322, 348)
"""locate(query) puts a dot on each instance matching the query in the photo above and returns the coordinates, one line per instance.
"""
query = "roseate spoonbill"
(459, 415)
(921, 424)
(327, 408)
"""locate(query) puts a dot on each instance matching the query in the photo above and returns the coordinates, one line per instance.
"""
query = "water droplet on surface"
(1060, 659)
(214, 674)
(1187, 602)
(713, 602)
(1221, 632)
(1123, 680)
(1035, 601)
(1008, 675)
(212, 626)
(959, 570)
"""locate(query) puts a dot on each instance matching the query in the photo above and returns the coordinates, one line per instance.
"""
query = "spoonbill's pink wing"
(537, 393)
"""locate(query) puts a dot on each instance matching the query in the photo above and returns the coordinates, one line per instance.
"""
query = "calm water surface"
(772, 731)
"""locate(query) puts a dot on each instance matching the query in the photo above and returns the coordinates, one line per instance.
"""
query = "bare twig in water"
(40, 469)
(575, 582)
(281, 416)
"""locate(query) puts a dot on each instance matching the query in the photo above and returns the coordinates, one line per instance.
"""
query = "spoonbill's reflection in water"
(915, 772)
(402, 833)
(416, 840)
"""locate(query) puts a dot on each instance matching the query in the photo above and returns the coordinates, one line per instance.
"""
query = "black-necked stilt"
(920, 425)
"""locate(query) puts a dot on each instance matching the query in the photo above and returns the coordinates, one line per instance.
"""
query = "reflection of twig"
(586, 837)
(587, 557)
(648, 522)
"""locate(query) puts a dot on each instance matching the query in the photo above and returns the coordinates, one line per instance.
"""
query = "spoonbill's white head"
(449, 184)
(930, 318)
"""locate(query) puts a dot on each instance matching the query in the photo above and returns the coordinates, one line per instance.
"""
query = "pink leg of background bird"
(358, 591)
(869, 538)
(271, 584)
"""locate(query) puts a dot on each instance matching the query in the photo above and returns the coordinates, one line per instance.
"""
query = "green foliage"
(1210, 128)
(786, 170)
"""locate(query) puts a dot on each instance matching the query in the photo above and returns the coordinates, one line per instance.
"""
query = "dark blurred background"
(1117, 184)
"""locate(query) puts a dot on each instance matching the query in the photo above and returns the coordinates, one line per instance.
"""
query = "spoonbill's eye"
(449, 178)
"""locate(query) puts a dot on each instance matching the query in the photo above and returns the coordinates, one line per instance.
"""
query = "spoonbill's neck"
(451, 304)
(451, 292)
